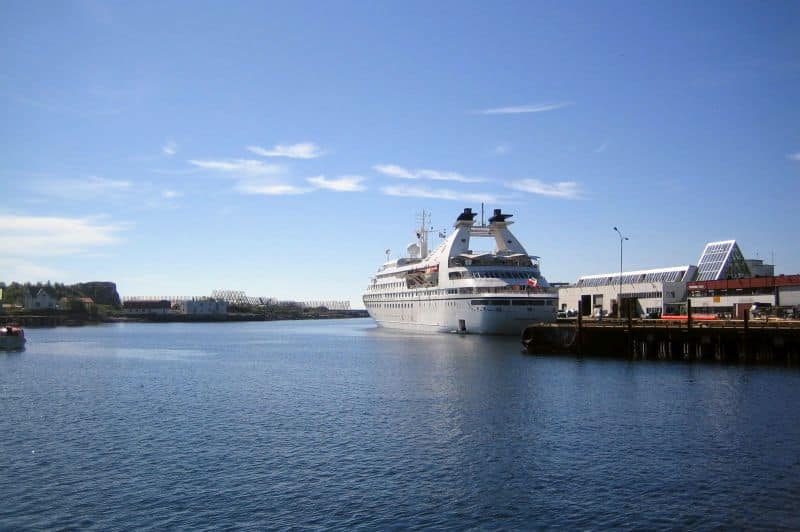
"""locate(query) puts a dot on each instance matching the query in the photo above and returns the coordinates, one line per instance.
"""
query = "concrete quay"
(738, 341)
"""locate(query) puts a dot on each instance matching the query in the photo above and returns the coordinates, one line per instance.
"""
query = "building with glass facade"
(662, 290)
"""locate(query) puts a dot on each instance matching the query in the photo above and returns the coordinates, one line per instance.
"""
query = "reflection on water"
(342, 424)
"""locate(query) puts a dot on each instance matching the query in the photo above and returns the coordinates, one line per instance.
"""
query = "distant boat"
(12, 338)
(457, 289)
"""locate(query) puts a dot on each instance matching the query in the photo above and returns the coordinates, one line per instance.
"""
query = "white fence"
(240, 298)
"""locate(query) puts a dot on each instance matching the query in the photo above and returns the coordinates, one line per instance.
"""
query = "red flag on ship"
(533, 283)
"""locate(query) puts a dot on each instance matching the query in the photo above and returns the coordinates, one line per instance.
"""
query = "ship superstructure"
(457, 288)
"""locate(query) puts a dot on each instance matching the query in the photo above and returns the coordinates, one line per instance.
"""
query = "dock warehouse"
(652, 290)
(662, 290)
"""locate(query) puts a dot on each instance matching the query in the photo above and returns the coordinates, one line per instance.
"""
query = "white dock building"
(662, 290)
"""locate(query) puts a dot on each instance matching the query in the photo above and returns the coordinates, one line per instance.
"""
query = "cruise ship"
(457, 289)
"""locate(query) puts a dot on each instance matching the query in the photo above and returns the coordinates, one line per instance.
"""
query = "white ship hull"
(460, 315)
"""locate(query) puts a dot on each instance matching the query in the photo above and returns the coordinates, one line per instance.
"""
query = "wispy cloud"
(170, 148)
(437, 175)
(393, 170)
(240, 167)
(501, 149)
(175, 171)
(81, 188)
(94, 189)
(155, 198)
(602, 147)
(97, 100)
(794, 156)
(350, 183)
(441, 194)
(254, 177)
(519, 109)
(302, 150)
(49, 236)
(561, 189)
(65, 109)
(15, 269)
(264, 189)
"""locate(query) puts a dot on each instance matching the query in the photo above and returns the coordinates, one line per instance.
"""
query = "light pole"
(619, 294)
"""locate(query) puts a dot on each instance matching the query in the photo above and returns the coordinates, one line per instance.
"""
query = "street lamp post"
(619, 294)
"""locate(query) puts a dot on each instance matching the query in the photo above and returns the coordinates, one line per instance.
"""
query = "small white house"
(41, 301)
(204, 305)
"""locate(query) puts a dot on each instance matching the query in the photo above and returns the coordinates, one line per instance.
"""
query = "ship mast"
(422, 234)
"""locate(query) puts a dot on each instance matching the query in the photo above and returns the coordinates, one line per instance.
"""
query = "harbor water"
(339, 424)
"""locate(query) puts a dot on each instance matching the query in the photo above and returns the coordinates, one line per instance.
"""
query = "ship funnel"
(499, 216)
(467, 216)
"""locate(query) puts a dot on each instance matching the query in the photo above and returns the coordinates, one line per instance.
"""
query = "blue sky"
(280, 148)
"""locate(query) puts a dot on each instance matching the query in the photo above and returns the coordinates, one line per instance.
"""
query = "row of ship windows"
(476, 302)
(427, 293)
(406, 305)
(390, 305)
(384, 286)
(465, 275)
(410, 295)
(514, 302)
(491, 275)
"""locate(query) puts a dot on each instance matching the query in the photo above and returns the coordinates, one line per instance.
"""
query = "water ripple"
(338, 425)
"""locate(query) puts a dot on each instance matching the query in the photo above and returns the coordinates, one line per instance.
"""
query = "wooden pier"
(762, 341)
